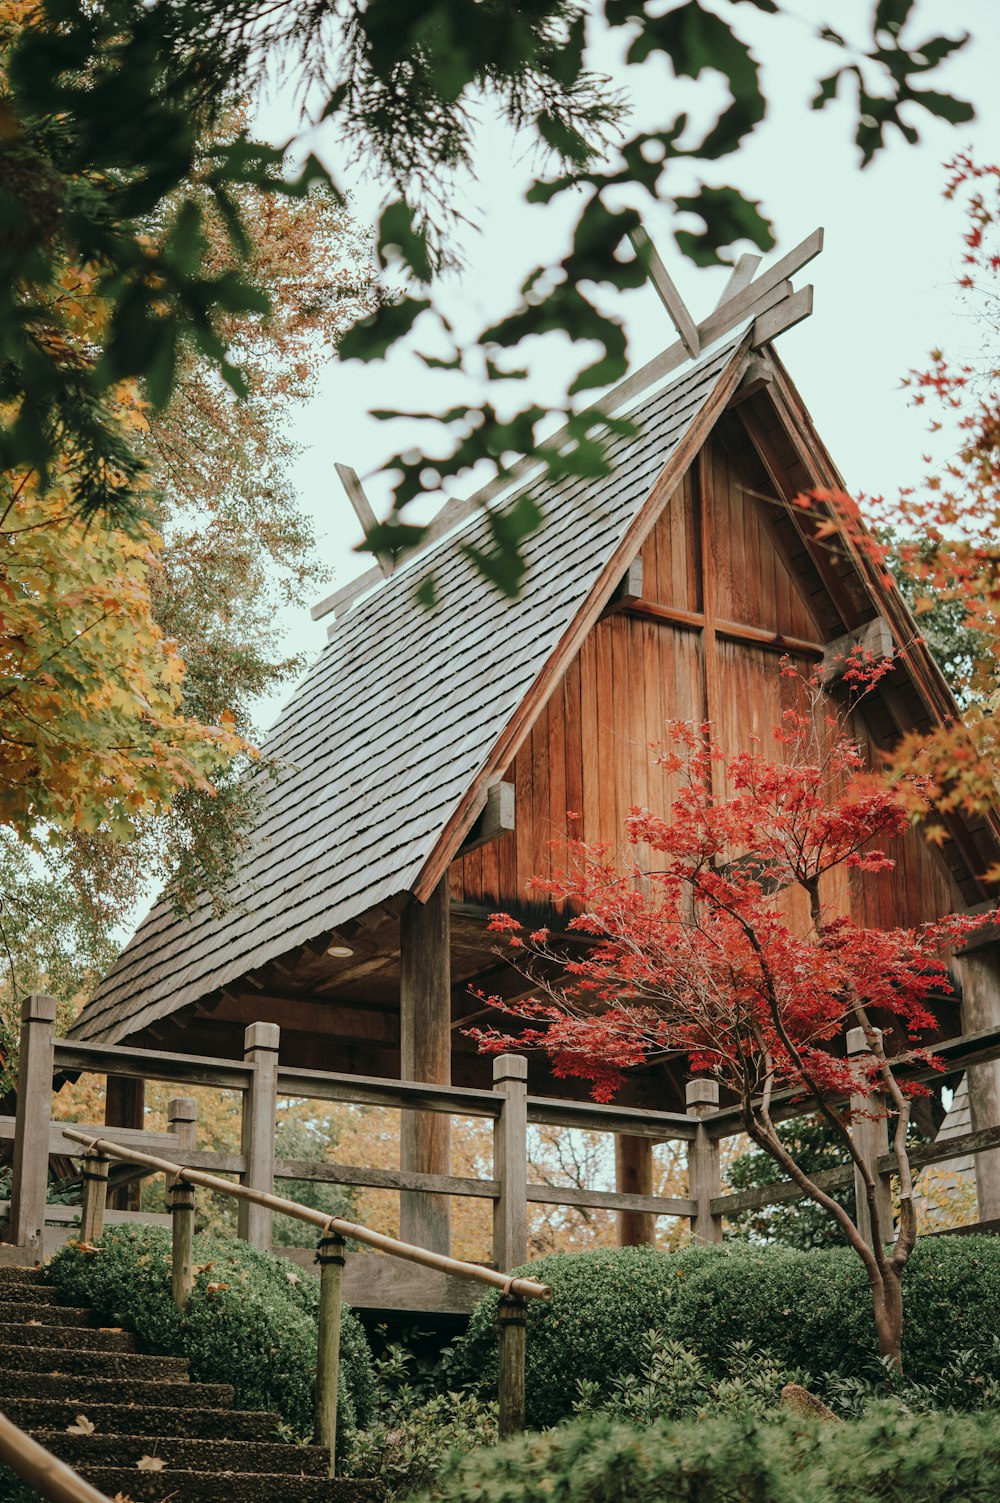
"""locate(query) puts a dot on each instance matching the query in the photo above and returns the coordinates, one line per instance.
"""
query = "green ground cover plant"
(251, 1320)
(887, 1457)
(420, 1425)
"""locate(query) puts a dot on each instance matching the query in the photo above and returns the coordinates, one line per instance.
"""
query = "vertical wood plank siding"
(589, 752)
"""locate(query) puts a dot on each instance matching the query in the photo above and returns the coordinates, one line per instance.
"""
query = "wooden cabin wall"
(711, 554)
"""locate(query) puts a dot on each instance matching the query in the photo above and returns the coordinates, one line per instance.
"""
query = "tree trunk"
(888, 1302)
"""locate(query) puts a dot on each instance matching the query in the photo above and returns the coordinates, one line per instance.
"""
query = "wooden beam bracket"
(363, 511)
(874, 638)
(630, 587)
(495, 819)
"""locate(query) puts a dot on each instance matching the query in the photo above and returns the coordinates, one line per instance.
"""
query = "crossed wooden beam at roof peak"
(769, 299)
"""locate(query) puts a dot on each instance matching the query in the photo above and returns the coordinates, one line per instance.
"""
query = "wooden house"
(429, 758)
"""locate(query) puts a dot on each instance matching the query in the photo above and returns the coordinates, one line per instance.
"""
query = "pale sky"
(884, 284)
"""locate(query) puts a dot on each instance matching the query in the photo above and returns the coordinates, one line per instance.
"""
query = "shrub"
(593, 1328)
(251, 1319)
(888, 1457)
(804, 1311)
(416, 1432)
(812, 1309)
(675, 1383)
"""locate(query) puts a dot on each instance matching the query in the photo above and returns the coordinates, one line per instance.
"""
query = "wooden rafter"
(741, 276)
(667, 291)
(363, 511)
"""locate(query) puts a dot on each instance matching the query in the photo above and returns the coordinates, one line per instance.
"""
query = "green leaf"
(372, 338)
(397, 232)
(728, 218)
(890, 15)
(945, 106)
(426, 593)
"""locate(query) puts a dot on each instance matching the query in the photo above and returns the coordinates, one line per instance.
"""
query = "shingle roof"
(389, 729)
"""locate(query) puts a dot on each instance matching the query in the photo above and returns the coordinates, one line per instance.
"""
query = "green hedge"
(602, 1304)
(888, 1457)
(251, 1319)
(808, 1311)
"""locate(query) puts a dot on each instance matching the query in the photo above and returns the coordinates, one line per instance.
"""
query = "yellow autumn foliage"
(92, 734)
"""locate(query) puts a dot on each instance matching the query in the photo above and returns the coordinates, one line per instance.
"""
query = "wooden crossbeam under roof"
(768, 299)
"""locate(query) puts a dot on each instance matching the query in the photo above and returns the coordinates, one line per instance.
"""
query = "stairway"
(56, 1364)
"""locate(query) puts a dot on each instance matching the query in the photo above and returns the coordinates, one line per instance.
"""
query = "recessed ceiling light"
(339, 952)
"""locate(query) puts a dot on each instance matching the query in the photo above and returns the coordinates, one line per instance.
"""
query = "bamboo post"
(259, 1122)
(330, 1257)
(95, 1196)
(181, 1198)
(510, 1162)
(31, 1123)
(871, 1136)
(513, 1333)
(704, 1179)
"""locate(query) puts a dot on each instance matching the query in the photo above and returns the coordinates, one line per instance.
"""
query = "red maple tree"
(700, 947)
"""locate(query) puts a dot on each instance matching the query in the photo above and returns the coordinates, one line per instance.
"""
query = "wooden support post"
(979, 971)
(31, 1126)
(330, 1257)
(634, 1176)
(95, 1196)
(125, 1106)
(871, 1135)
(510, 1162)
(704, 1180)
(260, 1049)
(182, 1120)
(425, 1055)
(180, 1196)
(513, 1330)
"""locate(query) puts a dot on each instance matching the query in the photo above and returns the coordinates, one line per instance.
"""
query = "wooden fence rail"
(262, 1081)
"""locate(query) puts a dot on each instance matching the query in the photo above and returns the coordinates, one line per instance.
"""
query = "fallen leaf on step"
(32, 1322)
(83, 1426)
(111, 1330)
(150, 1464)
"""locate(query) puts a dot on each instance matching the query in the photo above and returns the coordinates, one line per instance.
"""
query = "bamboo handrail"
(527, 1288)
(36, 1466)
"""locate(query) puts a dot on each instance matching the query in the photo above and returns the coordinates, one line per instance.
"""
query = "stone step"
(18, 1311)
(16, 1383)
(125, 1366)
(230, 1487)
(185, 1455)
(143, 1419)
(21, 1273)
(14, 1291)
(40, 1337)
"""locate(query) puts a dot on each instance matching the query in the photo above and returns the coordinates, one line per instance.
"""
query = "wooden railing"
(334, 1232)
(50, 1477)
(262, 1080)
